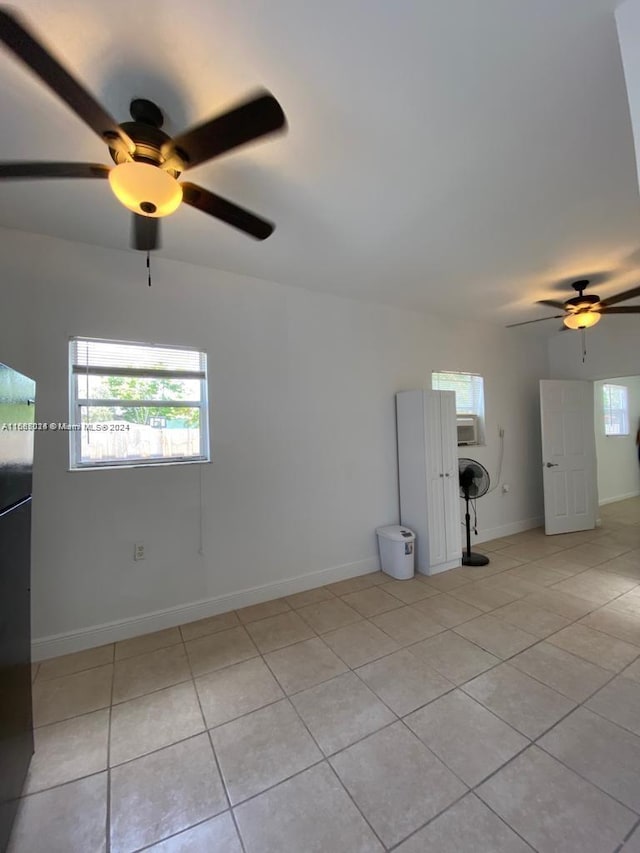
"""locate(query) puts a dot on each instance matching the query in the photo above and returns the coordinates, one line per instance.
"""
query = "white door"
(435, 478)
(568, 455)
(450, 470)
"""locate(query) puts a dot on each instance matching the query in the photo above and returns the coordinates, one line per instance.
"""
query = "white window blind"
(115, 357)
(469, 388)
(615, 399)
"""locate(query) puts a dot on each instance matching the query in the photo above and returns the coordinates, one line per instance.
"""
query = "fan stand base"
(471, 559)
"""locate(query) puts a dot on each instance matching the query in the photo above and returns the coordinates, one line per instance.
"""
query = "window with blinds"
(135, 404)
(469, 389)
(615, 401)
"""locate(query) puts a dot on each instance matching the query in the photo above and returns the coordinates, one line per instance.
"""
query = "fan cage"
(474, 485)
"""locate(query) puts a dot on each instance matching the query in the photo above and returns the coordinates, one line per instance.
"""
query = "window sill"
(126, 465)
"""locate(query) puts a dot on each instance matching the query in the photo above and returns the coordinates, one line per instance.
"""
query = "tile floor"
(490, 710)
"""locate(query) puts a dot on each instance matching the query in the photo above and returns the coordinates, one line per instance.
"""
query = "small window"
(615, 399)
(135, 404)
(469, 388)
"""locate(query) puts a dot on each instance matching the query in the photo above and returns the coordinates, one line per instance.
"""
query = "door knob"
(552, 464)
(446, 475)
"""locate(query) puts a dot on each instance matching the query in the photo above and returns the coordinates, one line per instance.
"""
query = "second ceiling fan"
(583, 311)
(148, 161)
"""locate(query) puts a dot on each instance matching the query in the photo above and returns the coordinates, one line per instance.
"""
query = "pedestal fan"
(474, 483)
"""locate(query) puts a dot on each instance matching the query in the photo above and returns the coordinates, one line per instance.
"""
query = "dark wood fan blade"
(145, 233)
(552, 303)
(251, 120)
(527, 322)
(53, 170)
(48, 69)
(227, 211)
(620, 297)
(623, 309)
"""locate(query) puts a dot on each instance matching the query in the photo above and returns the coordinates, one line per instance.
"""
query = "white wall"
(618, 469)
(612, 350)
(628, 26)
(303, 436)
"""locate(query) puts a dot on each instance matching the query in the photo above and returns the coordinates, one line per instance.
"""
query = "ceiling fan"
(582, 311)
(148, 161)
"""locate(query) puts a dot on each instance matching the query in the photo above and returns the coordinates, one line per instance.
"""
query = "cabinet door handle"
(446, 475)
(442, 475)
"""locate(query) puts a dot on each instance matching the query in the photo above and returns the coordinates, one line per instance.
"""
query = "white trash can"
(396, 551)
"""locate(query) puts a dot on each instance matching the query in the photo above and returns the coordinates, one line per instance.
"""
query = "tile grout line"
(630, 833)
(582, 704)
(327, 758)
(461, 685)
(215, 755)
(322, 752)
(355, 805)
(532, 742)
(468, 792)
(541, 640)
(573, 622)
(450, 592)
(287, 695)
(284, 598)
(108, 798)
(179, 832)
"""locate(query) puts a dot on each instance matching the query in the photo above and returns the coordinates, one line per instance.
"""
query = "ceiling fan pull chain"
(148, 268)
(584, 345)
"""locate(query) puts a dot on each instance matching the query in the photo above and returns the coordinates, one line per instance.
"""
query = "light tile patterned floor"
(492, 710)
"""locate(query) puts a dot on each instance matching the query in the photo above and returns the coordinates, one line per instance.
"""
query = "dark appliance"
(17, 405)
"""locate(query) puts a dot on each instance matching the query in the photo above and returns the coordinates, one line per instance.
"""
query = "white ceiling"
(461, 156)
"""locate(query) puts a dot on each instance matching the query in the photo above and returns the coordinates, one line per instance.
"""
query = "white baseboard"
(123, 629)
(502, 530)
(615, 500)
(43, 648)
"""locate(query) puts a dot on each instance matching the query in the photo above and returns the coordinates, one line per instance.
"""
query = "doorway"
(617, 419)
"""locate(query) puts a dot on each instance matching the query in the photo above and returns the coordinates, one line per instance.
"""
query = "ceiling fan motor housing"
(145, 131)
(578, 302)
(581, 302)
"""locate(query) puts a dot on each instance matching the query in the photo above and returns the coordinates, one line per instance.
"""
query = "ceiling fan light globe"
(583, 320)
(145, 189)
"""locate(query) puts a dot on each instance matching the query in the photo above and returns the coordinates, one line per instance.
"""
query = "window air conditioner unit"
(467, 429)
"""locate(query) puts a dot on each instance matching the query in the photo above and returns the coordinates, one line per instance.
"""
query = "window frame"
(609, 411)
(76, 404)
(480, 413)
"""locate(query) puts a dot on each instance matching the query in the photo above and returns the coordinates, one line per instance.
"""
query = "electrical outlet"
(138, 551)
(505, 488)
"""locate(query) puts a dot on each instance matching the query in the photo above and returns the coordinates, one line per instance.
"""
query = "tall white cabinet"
(428, 475)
